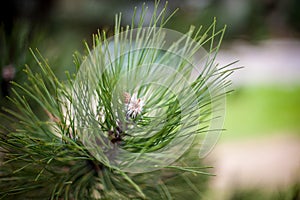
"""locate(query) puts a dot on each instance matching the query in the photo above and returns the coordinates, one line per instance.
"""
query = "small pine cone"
(126, 97)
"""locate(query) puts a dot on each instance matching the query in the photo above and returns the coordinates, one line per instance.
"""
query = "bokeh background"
(258, 156)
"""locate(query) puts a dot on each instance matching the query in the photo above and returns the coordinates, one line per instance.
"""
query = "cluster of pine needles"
(45, 154)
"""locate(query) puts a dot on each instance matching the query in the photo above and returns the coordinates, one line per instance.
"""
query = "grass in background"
(262, 111)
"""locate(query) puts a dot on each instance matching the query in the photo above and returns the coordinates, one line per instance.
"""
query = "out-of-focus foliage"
(292, 193)
(263, 110)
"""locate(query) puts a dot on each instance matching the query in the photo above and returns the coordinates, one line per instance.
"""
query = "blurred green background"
(263, 34)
